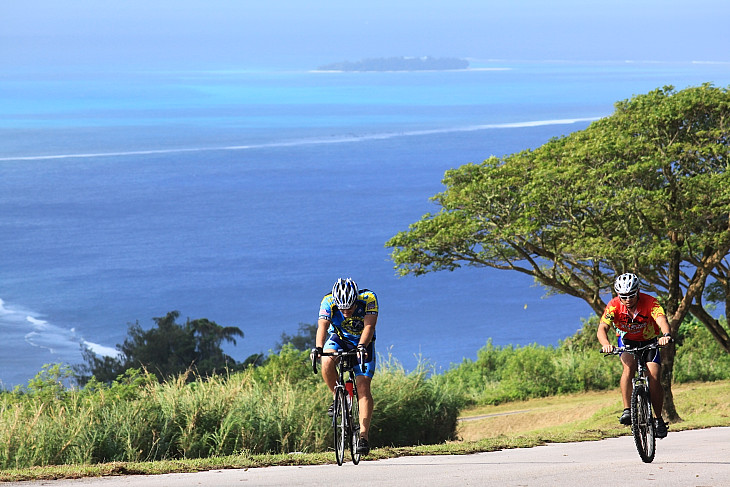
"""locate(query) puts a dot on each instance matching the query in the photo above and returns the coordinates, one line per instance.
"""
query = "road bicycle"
(642, 420)
(346, 417)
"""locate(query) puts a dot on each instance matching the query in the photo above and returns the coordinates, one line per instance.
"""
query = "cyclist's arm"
(664, 325)
(602, 335)
(368, 330)
(322, 327)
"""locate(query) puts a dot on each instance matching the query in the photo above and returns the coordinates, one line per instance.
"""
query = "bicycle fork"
(642, 408)
(347, 394)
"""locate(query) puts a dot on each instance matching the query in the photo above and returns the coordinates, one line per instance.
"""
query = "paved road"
(689, 458)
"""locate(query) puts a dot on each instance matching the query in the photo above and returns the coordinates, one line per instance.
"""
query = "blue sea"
(240, 195)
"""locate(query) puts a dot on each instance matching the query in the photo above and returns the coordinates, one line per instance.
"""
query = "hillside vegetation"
(279, 407)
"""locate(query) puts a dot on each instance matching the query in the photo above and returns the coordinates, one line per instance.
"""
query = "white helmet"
(626, 284)
(345, 293)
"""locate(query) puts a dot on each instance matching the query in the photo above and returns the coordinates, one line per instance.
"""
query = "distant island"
(398, 64)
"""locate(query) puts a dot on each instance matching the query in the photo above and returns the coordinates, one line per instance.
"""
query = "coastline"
(406, 70)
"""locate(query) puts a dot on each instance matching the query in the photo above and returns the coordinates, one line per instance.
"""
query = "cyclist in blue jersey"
(347, 318)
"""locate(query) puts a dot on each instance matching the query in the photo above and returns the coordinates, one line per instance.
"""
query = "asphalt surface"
(689, 458)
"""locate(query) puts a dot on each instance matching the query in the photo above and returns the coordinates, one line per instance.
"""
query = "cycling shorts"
(335, 343)
(635, 343)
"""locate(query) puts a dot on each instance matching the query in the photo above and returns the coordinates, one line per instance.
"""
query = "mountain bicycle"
(346, 417)
(642, 420)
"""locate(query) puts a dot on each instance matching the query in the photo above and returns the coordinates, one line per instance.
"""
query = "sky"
(306, 33)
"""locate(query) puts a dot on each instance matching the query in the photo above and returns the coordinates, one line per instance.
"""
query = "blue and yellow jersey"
(349, 329)
(642, 326)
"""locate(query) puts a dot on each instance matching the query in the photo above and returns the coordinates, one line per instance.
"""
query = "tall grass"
(410, 408)
(279, 407)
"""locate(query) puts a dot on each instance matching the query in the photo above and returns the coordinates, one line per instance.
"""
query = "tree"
(304, 339)
(167, 350)
(716, 291)
(208, 337)
(645, 190)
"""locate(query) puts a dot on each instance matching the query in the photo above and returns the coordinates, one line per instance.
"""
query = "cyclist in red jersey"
(639, 319)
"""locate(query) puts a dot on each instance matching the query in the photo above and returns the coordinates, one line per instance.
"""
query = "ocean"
(240, 195)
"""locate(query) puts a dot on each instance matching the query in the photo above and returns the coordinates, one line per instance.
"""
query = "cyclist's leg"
(364, 393)
(654, 369)
(629, 363)
(655, 387)
(656, 391)
(366, 404)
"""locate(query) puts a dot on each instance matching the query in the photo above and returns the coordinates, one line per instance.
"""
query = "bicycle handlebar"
(618, 350)
(338, 353)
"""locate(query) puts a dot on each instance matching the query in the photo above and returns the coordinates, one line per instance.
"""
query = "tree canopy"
(645, 190)
(304, 339)
(167, 350)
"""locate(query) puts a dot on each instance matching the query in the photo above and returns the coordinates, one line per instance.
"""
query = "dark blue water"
(241, 196)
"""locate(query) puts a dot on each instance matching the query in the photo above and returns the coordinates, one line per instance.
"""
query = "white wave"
(101, 350)
(304, 142)
(12, 313)
(37, 324)
(53, 338)
(3, 310)
(711, 62)
(20, 325)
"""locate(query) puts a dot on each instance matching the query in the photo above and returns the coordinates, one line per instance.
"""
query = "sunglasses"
(628, 296)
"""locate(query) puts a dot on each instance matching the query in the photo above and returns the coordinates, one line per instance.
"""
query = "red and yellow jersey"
(639, 326)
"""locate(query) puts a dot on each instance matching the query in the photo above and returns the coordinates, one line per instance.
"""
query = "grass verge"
(524, 424)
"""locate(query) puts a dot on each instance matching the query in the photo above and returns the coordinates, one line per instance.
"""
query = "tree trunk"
(670, 411)
(675, 314)
(714, 326)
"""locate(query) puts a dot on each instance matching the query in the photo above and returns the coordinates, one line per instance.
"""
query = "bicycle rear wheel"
(354, 428)
(642, 423)
(339, 423)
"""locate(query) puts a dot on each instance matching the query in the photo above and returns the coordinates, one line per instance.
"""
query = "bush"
(509, 373)
(410, 409)
(699, 356)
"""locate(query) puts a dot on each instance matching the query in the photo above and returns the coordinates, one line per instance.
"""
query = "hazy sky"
(305, 33)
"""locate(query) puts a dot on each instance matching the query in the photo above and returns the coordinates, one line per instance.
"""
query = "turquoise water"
(240, 196)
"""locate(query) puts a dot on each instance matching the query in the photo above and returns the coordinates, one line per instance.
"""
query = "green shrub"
(510, 373)
(699, 356)
(584, 339)
(290, 365)
(410, 409)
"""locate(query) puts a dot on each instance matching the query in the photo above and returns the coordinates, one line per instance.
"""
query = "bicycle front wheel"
(339, 423)
(354, 427)
(642, 423)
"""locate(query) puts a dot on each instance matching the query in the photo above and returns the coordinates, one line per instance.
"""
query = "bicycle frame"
(345, 420)
(642, 420)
